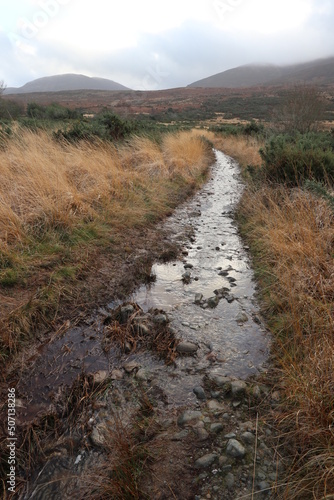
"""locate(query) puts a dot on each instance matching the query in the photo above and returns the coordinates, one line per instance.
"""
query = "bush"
(107, 127)
(10, 110)
(51, 112)
(294, 159)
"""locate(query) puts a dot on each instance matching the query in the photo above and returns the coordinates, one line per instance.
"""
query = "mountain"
(58, 83)
(320, 71)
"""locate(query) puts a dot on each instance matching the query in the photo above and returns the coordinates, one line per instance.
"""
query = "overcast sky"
(154, 44)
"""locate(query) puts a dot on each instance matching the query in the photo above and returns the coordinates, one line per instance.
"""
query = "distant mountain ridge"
(58, 83)
(318, 72)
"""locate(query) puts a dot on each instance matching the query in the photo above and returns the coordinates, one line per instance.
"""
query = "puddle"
(215, 259)
(230, 339)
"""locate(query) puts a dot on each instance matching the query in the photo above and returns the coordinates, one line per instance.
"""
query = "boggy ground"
(110, 433)
(107, 431)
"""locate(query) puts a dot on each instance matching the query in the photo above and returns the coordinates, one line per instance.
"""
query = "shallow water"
(232, 330)
(228, 343)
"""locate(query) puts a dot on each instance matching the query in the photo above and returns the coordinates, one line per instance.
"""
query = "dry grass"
(242, 148)
(292, 236)
(45, 185)
(58, 202)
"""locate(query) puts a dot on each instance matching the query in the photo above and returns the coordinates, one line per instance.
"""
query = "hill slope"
(65, 82)
(320, 71)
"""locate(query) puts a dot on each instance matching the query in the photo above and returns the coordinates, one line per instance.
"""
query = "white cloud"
(150, 44)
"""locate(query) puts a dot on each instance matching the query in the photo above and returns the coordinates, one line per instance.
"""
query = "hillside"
(320, 71)
(66, 82)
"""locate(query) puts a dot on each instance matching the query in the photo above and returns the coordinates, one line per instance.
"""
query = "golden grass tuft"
(53, 194)
(48, 185)
(292, 236)
(242, 148)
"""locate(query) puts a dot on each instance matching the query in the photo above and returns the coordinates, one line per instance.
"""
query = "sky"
(154, 44)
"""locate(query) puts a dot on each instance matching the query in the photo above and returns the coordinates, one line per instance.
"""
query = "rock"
(223, 273)
(248, 438)
(187, 348)
(142, 375)
(98, 435)
(256, 392)
(221, 292)
(213, 302)
(180, 435)
(216, 428)
(202, 434)
(126, 312)
(214, 406)
(230, 435)
(188, 416)
(142, 329)
(186, 277)
(117, 375)
(235, 449)
(100, 376)
(263, 486)
(205, 461)
(242, 317)
(238, 389)
(231, 279)
(131, 366)
(221, 382)
(199, 391)
(198, 298)
(160, 319)
(229, 480)
(230, 298)
(188, 266)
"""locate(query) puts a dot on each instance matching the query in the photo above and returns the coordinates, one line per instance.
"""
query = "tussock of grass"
(292, 236)
(59, 201)
(242, 148)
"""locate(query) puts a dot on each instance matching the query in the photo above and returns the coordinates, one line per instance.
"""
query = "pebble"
(126, 312)
(117, 375)
(241, 318)
(131, 366)
(216, 427)
(199, 391)
(205, 461)
(98, 435)
(198, 298)
(100, 376)
(248, 438)
(188, 416)
(229, 480)
(187, 348)
(180, 435)
(235, 449)
(160, 319)
(238, 389)
(202, 434)
(213, 302)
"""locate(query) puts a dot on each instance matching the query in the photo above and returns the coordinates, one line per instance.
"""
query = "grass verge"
(62, 206)
(290, 234)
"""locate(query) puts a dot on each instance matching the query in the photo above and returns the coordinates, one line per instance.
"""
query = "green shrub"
(107, 127)
(293, 159)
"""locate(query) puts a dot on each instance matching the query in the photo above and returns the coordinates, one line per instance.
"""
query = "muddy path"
(206, 303)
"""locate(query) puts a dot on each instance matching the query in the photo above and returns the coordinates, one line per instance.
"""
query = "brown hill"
(320, 71)
(66, 82)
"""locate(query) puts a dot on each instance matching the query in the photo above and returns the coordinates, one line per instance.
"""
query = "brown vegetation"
(61, 204)
(290, 233)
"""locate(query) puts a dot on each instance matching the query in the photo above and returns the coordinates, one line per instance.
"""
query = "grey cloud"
(176, 57)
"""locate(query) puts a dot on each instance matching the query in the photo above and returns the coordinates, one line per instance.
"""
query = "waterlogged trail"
(200, 402)
(210, 295)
